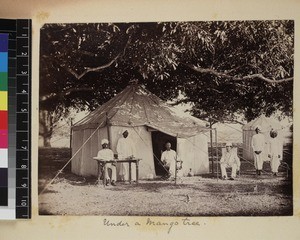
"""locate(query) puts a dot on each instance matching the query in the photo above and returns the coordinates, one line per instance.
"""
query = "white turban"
(258, 127)
(103, 141)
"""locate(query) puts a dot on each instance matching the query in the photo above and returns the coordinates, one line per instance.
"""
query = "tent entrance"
(159, 141)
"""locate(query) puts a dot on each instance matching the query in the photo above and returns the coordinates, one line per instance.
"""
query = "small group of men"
(273, 147)
(169, 157)
(259, 146)
(125, 150)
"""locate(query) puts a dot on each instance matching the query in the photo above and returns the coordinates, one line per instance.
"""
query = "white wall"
(194, 153)
(141, 139)
(83, 163)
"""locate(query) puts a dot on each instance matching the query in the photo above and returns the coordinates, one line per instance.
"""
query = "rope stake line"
(60, 171)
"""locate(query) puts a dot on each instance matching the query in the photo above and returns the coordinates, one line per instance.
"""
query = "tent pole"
(217, 154)
(211, 148)
(108, 130)
(71, 138)
(176, 159)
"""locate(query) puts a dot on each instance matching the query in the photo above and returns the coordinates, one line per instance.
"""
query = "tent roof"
(266, 124)
(136, 106)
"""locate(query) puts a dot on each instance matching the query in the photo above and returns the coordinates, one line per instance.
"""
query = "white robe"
(107, 154)
(275, 147)
(258, 143)
(125, 149)
(230, 160)
(170, 158)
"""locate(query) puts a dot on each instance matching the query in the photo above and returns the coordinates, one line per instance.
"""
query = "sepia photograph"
(166, 118)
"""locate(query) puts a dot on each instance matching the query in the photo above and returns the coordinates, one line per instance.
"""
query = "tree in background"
(225, 69)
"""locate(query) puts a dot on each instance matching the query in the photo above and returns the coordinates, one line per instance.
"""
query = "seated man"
(169, 158)
(107, 155)
(229, 160)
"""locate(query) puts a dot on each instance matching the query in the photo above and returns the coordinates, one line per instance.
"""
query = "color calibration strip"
(18, 106)
(3, 119)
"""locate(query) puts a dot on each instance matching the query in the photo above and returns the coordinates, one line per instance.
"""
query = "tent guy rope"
(60, 171)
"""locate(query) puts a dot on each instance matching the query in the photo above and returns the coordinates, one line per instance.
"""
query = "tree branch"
(95, 69)
(64, 93)
(179, 102)
(234, 78)
(234, 121)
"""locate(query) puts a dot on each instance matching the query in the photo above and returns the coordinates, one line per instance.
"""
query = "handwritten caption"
(149, 222)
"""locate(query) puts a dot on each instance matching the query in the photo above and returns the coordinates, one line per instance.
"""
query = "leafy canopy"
(225, 69)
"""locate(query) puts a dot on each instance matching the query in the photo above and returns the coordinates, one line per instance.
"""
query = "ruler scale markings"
(22, 131)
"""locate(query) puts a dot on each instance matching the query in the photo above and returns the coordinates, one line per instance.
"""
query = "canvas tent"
(150, 122)
(266, 124)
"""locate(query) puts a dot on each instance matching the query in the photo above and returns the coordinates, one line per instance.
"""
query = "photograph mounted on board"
(166, 118)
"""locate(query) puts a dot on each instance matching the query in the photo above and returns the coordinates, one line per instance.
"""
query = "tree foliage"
(225, 69)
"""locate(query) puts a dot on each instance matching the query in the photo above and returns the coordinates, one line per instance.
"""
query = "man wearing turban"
(275, 147)
(125, 150)
(107, 154)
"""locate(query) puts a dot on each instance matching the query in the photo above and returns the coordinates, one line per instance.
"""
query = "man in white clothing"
(107, 155)
(125, 150)
(258, 144)
(229, 160)
(275, 149)
(169, 158)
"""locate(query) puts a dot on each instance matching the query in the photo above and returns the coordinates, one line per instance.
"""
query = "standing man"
(169, 158)
(107, 154)
(258, 144)
(229, 160)
(275, 149)
(125, 150)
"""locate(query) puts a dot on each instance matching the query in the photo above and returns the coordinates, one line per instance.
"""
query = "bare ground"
(204, 195)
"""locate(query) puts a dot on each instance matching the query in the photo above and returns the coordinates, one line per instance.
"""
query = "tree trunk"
(47, 121)
(46, 141)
